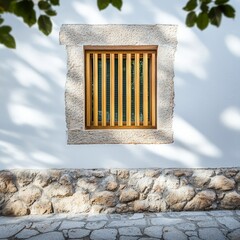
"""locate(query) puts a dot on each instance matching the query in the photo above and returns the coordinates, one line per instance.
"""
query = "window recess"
(120, 87)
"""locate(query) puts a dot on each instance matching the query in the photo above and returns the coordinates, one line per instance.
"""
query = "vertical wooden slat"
(88, 90)
(120, 88)
(153, 89)
(95, 89)
(145, 89)
(137, 89)
(104, 103)
(128, 88)
(112, 113)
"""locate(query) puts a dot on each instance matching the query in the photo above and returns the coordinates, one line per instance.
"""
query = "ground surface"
(211, 225)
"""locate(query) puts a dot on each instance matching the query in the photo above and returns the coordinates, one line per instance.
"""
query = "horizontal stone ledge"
(24, 192)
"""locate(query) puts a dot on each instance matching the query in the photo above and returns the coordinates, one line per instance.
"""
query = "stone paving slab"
(207, 225)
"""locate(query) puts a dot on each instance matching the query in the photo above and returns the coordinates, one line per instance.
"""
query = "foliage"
(26, 9)
(203, 12)
(200, 13)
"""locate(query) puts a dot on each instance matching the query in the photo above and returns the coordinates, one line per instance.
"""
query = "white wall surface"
(207, 94)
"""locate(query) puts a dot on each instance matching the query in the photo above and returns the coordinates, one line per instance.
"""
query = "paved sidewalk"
(211, 225)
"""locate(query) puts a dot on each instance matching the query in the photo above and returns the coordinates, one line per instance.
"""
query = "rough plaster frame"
(75, 37)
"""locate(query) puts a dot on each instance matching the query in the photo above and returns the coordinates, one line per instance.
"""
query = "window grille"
(120, 87)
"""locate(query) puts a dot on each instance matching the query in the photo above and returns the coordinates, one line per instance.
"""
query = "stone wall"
(24, 192)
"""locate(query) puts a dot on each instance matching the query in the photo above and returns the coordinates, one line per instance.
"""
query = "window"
(120, 87)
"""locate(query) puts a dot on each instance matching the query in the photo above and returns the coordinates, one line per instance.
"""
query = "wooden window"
(120, 87)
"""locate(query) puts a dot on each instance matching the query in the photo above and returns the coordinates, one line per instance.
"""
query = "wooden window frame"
(149, 55)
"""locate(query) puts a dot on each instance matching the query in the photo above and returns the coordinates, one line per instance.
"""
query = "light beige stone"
(231, 200)
(179, 195)
(15, 208)
(87, 184)
(123, 174)
(105, 198)
(237, 178)
(122, 186)
(96, 209)
(152, 173)
(164, 182)
(25, 177)
(55, 174)
(178, 206)
(140, 205)
(42, 179)
(7, 184)
(30, 194)
(128, 195)
(99, 173)
(58, 190)
(182, 172)
(2, 199)
(65, 179)
(201, 177)
(156, 202)
(77, 203)
(43, 206)
(121, 208)
(202, 201)
(221, 182)
(111, 186)
(230, 172)
(144, 184)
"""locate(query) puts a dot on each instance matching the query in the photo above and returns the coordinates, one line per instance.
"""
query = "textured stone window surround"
(75, 37)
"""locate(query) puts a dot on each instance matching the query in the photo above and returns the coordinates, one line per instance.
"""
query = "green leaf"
(206, 1)
(102, 4)
(45, 24)
(191, 19)
(5, 29)
(117, 4)
(228, 11)
(204, 7)
(6, 38)
(220, 2)
(25, 10)
(6, 5)
(215, 16)
(54, 2)
(43, 5)
(202, 20)
(1, 20)
(191, 5)
(51, 12)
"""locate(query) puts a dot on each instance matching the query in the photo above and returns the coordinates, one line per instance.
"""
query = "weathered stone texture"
(201, 177)
(203, 200)
(58, 190)
(231, 200)
(7, 184)
(128, 195)
(117, 190)
(44, 206)
(221, 182)
(105, 198)
(30, 194)
(15, 208)
(178, 198)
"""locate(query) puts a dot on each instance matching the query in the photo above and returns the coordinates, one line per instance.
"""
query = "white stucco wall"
(207, 94)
